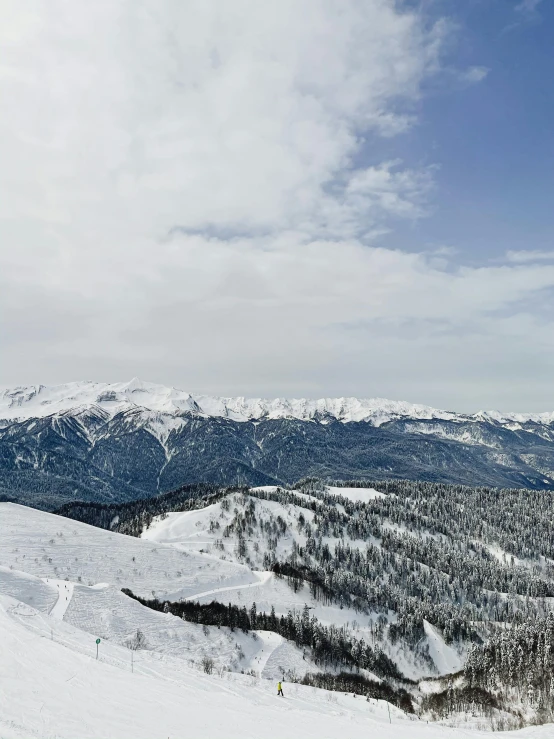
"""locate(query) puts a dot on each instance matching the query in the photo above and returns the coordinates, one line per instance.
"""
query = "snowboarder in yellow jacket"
(280, 689)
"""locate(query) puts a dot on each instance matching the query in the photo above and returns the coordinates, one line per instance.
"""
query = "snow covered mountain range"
(38, 401)
(121, 441)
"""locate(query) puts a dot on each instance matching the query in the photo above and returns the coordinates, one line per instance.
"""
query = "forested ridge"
(133, 517)
(425, 555)
(329, 645)
(93, 455)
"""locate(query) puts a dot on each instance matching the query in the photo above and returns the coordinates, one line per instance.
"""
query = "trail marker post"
(97, 643)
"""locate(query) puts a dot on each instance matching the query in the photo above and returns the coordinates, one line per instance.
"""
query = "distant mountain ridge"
(41, 400)
(121, 441)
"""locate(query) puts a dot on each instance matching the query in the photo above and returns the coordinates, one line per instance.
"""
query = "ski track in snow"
(271, 642)
(65, 594)
(263, 578)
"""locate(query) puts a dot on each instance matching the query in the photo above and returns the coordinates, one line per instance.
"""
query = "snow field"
(52, 685)
(57, 548)
(28, 589)
(57, 687)
(115, 617)
(357, 495)
(94, 555)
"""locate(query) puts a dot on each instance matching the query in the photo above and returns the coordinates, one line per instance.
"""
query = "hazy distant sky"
(280, 197)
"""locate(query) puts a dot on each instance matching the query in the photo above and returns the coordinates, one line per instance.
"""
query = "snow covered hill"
(72, 554)
(184, 556)
(210, 530)
(61, 584)
(57, 548)
(51, 685)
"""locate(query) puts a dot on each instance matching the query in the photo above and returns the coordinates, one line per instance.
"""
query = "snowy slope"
(446, 658)
(114, 617)
(39, 400)
(84, 568)
(56, 687)
(204, 531)
(28, 589)
(52, 685)
(50, 546)
(176, 558)
(357, 495)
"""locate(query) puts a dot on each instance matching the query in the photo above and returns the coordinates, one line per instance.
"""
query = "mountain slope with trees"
(430, 577)
(48, 461)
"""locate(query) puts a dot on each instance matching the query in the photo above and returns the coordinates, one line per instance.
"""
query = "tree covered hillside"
(426, 572)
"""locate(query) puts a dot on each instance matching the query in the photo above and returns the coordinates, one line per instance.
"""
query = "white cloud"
(232, 115)
(474, 74)
(183, 199)
(527, 6)
(530, 256)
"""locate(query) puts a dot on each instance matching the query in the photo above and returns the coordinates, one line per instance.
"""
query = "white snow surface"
(357, 495)
(28, 589)
(39, 401)
(77, 572)
(51, 685)
(53, 547)
(60, 590)
(446, 658)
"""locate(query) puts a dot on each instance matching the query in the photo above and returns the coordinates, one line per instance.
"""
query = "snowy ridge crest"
(37, 401)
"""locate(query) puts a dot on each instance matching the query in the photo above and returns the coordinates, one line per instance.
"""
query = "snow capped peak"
(160, 403)
(506, 418)
(34, 401)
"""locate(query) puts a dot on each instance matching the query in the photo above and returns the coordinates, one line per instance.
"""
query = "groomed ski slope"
(57, 548)
(50, 546)
(110, 614)
(51, 685)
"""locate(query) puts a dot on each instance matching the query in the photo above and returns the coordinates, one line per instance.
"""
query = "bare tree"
(137, 641)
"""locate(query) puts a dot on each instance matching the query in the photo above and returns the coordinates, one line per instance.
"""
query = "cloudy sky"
(289, 197)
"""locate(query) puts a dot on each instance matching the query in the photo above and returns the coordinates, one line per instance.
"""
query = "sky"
(301, 199)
